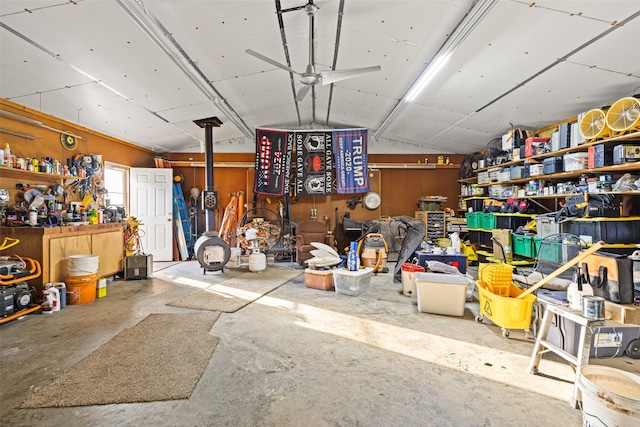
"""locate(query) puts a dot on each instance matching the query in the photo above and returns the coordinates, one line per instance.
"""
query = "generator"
(626, 153)
(14, 298)
(138, 267)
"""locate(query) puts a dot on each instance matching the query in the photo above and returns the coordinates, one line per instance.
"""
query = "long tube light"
(471, 20)
(26, 120)
(152, 28)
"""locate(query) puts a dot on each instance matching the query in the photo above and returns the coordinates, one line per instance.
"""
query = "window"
(116, 181)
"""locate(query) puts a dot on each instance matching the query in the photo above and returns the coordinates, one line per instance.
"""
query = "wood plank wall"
(400, 189)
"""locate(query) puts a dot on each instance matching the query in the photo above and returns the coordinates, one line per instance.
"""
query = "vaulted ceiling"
(144, 70)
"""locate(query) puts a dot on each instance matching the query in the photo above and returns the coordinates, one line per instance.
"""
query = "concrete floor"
(300, 357)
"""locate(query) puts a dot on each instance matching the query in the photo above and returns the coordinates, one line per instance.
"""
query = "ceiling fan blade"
(302, 92)
(271, 61)
(329, 77)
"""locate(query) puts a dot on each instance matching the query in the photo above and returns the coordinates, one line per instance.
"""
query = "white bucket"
(610, 396)
(408, 280)
(82, 265)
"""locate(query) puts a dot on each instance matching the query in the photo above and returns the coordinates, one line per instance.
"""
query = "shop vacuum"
(373, 249)
(211, 251)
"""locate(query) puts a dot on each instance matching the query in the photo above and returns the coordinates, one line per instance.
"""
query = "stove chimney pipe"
(209, 196)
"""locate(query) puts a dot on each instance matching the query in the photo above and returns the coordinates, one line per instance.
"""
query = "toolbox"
(552, 165)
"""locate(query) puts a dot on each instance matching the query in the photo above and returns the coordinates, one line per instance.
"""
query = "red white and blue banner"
(352, 174)
(314, 163)
(273, 161)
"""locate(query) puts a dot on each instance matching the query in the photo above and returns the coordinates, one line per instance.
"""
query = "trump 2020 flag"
(273, 161)
(351, 161)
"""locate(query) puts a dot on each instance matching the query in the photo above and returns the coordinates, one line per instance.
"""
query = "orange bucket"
(81, 289)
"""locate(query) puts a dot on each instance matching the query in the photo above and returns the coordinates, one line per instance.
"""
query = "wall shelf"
(583, 147)
(35, 176)
(624, 167)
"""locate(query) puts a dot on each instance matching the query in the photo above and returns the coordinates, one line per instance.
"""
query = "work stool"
(543, 346)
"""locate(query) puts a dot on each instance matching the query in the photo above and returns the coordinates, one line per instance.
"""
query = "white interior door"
(151, 197)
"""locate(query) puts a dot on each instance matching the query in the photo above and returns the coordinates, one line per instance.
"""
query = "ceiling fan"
(310, 77)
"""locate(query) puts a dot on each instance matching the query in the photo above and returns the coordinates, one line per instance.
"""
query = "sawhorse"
(584, 344)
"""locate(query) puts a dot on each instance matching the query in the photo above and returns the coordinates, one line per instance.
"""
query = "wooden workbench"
(52, 246)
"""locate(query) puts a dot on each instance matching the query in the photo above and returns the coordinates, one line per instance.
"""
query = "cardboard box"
(441, 293)
(502, 248)
(622, 313)
(318, 279)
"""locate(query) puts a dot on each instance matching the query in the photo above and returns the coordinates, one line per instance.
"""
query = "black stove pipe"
(208, 125)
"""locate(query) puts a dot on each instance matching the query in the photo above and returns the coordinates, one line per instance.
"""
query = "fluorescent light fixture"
(163, 39)
(426, 76)
(471, 20)
(26, 120)
(21, 135)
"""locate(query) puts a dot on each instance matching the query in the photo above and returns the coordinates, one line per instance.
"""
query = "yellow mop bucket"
(498, 301)
(506, 310)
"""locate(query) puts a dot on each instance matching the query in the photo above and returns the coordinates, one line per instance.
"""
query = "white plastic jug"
(51, 300)
(574, 295)
(455, 241)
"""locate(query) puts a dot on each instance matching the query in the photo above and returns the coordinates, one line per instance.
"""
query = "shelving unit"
(551, 202)
(562, 176)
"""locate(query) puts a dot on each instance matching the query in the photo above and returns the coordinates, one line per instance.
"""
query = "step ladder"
(584, 344)
(182, 222)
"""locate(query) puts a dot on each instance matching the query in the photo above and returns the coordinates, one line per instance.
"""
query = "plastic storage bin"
(575, 161)
(546, 225)
(488, 220)
(352, 283)
(318, 279)
(458, 261)
(609, 230)
(475, 237)
(512, 221)
(474, 219)
(475, 204)
(441, 293)
(523, 245)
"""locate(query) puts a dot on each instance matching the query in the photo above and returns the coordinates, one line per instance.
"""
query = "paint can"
(593, 307)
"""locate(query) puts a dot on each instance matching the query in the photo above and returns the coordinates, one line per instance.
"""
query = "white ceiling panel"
(87, 61)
